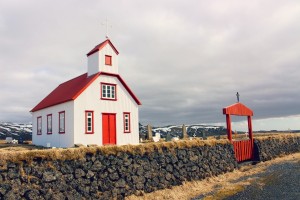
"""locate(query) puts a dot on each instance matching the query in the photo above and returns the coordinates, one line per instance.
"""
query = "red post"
(229, 132)
(250, 128)
(251, 136)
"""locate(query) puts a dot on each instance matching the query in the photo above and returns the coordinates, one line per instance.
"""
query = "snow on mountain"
(24, 131)
(15, 130)
(193, 130)
(5, 128)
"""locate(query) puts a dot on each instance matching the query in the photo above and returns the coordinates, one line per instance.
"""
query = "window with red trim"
(39, 125)
(108, 60)
(108, 91)
(89, 122)
(49, 124)
(61, 121)
(126, 116)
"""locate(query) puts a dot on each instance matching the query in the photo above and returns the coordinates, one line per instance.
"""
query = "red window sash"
(39, 125)
(86, 122)
(49, 116)
(126, 130)
(108, 98)
(64, 122)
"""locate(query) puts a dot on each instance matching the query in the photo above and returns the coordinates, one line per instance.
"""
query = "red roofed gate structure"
(243, 149)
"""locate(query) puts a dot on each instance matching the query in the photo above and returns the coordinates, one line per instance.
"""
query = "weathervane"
(238, 97)
(106, 24)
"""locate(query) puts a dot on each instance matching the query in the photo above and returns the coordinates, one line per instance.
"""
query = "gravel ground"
(279, 181)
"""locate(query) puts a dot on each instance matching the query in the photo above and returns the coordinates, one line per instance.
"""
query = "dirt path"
(279, 181)
(225, 185)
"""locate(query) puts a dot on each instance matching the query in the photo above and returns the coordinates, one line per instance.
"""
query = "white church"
(96, 107)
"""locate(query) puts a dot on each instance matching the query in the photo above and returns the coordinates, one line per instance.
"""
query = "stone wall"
(267, 148)
(119, 171)
(100, 175)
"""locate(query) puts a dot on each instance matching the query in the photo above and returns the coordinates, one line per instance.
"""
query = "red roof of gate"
(238, 109)
(71, 89)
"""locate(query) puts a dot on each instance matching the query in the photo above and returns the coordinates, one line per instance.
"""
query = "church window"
(126, 117)
(61, 122)
(89, 122)
(108, 91)
(49, 124)
(39, 125)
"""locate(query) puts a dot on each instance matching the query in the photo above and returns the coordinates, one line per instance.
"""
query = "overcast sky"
(185, 60)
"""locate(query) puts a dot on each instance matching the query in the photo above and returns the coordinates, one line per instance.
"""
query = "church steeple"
(103, 58)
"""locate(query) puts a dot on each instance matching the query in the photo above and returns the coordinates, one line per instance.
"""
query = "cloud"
(184, 60)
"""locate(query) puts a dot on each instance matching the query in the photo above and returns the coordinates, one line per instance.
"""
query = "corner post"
(229, 132)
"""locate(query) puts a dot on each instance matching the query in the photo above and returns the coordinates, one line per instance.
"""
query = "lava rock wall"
(267, 148)
(98, 176)
(116, 172)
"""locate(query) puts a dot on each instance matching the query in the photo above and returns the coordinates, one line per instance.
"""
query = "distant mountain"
(24, 131)
(195, 130)
(15, 130)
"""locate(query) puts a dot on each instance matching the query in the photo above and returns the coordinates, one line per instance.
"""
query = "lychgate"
(243, 149)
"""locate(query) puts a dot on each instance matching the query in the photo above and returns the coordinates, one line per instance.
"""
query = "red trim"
(49, 115)
(108, 60)
(86, 122)
(93, 77)
(129, 122)
(61, 132)
(37, 125)
(124, 84)
(101, 93)
(100, 46)
(71, 89)
(66, 91)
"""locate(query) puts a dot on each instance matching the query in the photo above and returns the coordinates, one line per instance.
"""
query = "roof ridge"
(72, 88)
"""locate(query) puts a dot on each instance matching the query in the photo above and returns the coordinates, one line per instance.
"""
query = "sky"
(184, 60)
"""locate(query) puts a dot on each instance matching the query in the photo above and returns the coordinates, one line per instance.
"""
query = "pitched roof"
(71, 89)
(100, 46)
(238, 109)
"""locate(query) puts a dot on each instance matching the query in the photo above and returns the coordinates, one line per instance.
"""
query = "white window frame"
(39, 125)
(89, 122)
(49, 124)
(62, 122)
(108, 91)
(126, 121)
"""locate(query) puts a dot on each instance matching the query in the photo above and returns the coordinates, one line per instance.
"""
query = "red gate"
(243, 149)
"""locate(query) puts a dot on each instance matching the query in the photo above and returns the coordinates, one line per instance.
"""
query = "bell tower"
(103, 58)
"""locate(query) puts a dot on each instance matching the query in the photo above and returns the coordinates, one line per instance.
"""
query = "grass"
(225, 192)
(220, 187)
(79, 153)
(16, 153)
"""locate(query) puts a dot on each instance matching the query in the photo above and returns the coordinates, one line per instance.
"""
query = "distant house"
(96, 107)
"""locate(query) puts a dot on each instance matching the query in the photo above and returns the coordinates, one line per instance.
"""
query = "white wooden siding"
(90, 99)
(96, 61)
(55, 139)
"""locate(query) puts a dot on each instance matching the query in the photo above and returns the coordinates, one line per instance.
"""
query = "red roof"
(71, 89)
(238, 109)
(100, 46)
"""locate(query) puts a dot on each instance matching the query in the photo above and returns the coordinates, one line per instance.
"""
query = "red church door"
(109, 128)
